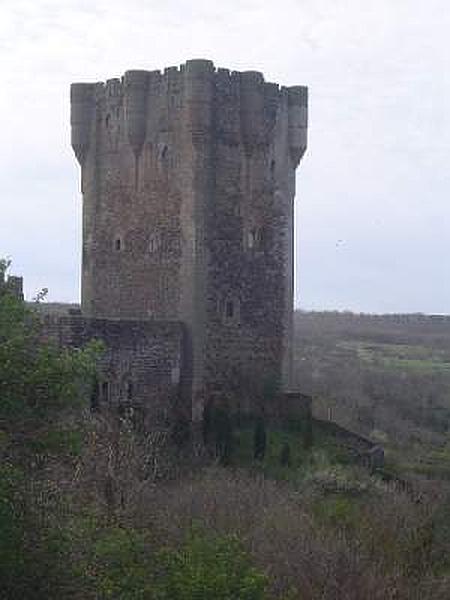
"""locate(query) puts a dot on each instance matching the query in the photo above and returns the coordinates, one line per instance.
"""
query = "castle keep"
(188, 184)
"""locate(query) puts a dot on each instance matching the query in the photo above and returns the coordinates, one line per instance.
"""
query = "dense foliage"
(383, 376)
(40, 386)
(47, 441)
(92, 509)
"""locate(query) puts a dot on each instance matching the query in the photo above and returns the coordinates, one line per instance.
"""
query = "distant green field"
(432, 463)
(399, 356)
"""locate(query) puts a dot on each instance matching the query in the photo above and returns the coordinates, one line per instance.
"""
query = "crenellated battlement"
(197, 88)
(195, 67)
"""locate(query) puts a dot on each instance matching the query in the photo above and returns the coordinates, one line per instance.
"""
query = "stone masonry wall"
(140, 367)
(250, 238)
(188, 180)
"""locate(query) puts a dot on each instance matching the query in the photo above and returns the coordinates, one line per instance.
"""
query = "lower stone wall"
(141, 366)
(363, 450)
(292, 405)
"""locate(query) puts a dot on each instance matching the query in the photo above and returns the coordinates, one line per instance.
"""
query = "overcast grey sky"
(372, 211)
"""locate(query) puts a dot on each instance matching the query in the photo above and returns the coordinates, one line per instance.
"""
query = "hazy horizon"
(56, 303)
(371, 215)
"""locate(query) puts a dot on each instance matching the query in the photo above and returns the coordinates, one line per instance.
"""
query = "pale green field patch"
(401, 357)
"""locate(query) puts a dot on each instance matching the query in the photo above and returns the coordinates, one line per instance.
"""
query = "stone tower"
(188, 182)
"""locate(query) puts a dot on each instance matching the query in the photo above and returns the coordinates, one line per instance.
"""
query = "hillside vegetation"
(93, 509)
(387, 377)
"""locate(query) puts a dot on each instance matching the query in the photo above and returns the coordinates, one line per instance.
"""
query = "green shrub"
(218, 428)
(40, 383)
(121, 565)
(124, 566)
(259, 440)
(209, 567)
(11, 526)
(285, 455)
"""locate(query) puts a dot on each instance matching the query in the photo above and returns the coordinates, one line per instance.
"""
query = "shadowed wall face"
(188, 181)
(140, 367)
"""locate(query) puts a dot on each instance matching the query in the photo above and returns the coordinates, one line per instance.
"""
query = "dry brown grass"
(382, 551)
(277, 525)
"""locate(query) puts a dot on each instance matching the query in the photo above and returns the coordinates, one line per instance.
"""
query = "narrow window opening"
(129, 390)
(118, 244)
(164, 153)
(272, 168)
(230, 311)
(108, 121)
(105, 391)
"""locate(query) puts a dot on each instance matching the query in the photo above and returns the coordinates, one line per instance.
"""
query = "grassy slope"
(384, 377)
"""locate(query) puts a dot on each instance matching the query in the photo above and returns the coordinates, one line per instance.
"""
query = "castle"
(188, 185)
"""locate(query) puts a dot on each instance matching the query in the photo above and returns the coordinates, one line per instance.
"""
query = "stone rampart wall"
(141, 367)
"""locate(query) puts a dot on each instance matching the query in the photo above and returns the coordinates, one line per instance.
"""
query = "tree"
(37, 379)
(207, 567)
(308, 433)
(223, 432)
(259, 440)
(285, 456)
(39, 384)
